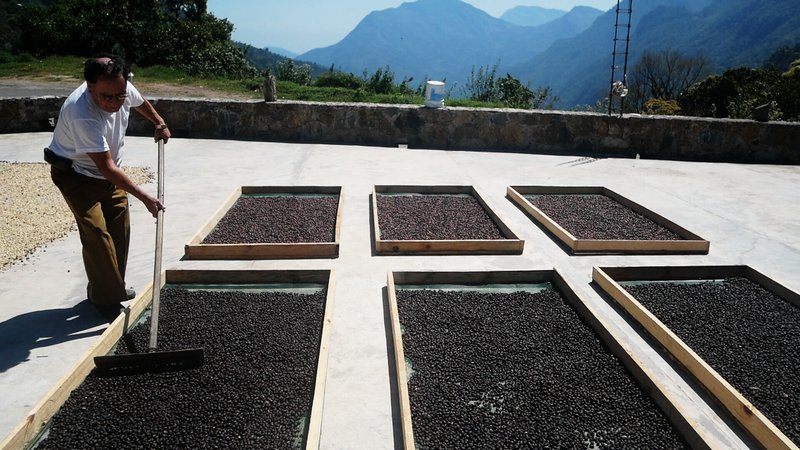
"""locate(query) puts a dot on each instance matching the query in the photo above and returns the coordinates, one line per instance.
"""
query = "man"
(85, 155)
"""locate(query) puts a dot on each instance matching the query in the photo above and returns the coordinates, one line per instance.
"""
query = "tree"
(381, 82)
(484, 86)
(664, 75)
(176, 33)
(288, 70)
(514, 94)
(733, 95)
(787, 92)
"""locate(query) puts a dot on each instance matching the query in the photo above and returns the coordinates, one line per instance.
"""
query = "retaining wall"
(507, 130)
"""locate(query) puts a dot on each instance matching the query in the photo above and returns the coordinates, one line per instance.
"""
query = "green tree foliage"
(381, 82)
(734, 94)
(9, 32)
(659, 107)
(484, 86)
(513, 93)
(737, 92)
(179, 34)
(543, 98)
(289, 70)
(787, 93)
(338, 79)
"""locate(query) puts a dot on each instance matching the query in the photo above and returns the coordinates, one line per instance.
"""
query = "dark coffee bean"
(277, 219)
(519, 370)
(434, 217)
(746, 333)
(597, 216)
(253, 391)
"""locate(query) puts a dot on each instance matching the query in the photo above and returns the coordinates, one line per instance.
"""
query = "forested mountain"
(434, 39)
(442, 39)
(731, 33)
(446, 39)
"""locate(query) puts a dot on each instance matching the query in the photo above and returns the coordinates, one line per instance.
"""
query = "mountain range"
(443, 40)
(531, 16)
(447, 39)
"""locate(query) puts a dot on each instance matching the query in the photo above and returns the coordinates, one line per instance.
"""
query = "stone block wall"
(507, 130)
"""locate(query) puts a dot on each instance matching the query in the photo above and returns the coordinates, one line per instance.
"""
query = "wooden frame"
(30, 428)
(750, 418)
(511, 245)
(691, 243)
(660, 394)
(195, 249)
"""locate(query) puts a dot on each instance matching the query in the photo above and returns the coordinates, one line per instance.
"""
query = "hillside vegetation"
(567, 57)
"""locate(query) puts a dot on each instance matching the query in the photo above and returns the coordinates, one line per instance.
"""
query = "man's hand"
(154, 206)
(162, 133)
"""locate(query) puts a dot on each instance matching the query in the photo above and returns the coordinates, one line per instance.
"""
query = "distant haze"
(301, 25)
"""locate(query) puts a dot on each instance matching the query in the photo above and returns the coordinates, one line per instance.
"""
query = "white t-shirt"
(85, 128)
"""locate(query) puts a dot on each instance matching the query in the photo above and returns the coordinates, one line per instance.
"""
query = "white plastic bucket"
(434, 94)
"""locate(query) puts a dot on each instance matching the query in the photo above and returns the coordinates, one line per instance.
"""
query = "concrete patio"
(749, 213)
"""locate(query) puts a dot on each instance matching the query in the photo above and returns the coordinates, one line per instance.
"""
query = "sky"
(301, 25)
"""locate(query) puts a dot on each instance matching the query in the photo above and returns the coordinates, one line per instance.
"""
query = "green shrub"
(381, 82)
(514, 94)
(288, 70)
(482, 86)
(339, 79)
(733, 95)
(787, 93)
(660, 107)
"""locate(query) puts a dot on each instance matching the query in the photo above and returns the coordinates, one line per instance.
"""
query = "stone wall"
(510, 130)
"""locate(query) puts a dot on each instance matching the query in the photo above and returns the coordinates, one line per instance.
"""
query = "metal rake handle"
(159, 241)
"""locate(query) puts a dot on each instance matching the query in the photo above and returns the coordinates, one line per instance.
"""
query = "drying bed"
(598, 220)
(438, 220)
(510, 360)
(264, 335)
(266, 222)
(732, 328)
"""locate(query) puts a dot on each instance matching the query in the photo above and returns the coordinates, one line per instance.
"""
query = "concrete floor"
(749, 213)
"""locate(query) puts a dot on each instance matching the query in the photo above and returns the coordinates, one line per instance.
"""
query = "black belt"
(59, 162)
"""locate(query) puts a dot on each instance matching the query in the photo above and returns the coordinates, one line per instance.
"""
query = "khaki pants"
(101, 212)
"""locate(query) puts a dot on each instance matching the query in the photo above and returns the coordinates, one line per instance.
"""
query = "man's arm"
(147, 110)
(111, 172)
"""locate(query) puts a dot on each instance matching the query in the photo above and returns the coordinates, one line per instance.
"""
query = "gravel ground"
(27, 196)
(746, 333)
(277, 219)
(595, 216)
(254, 390)
(434, 217)
(518, 370)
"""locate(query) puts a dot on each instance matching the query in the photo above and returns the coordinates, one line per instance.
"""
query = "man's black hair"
(94, 69)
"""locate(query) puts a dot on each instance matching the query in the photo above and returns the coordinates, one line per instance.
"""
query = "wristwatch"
(161, 126)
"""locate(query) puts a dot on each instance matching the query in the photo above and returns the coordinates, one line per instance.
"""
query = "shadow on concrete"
(21, 334)
(397, 420)
(372, 244)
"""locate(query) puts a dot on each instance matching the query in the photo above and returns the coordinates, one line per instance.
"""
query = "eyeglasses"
(111, 98)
